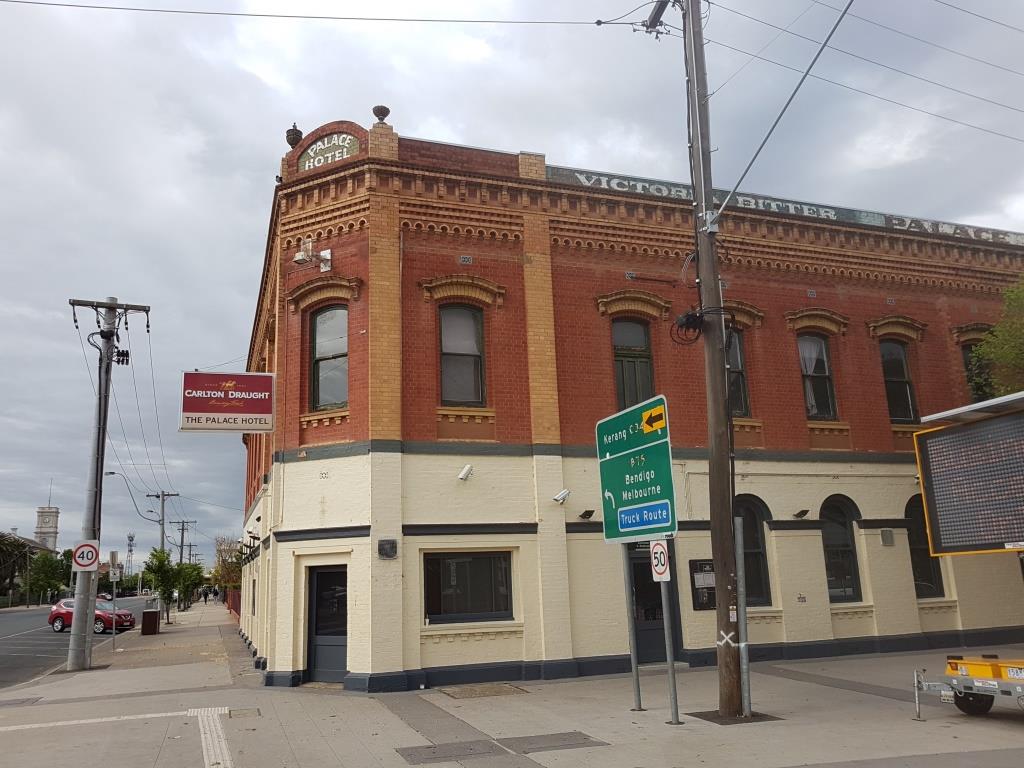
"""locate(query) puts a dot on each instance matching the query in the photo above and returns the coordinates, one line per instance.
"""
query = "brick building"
(447, 324)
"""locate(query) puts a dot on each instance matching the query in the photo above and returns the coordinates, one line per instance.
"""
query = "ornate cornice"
(327, 287)
(897, 325)
(634, 302)
(971, 333)
(471, 287)
(817, 319)
(744, 315)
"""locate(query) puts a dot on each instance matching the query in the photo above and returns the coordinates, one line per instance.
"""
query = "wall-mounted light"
(305, 256)
(586, 514)
(561, 496)
(801, 514)
(466, 472)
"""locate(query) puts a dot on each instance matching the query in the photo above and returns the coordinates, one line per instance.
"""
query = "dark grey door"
(328, 624)
(648, 618)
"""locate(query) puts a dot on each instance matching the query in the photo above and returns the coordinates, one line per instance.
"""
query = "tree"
(227, 571)
(65, 567)
(46, 574)
(1002, 350)
(164, 574)
(189, 579)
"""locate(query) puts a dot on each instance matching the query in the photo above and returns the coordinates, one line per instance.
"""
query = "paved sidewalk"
(190, 697)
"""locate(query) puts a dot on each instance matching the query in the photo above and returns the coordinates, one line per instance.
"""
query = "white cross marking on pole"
(726, 638)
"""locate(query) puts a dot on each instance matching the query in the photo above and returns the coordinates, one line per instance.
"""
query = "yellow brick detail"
(540, 330)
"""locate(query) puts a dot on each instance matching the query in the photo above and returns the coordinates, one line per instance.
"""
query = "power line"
(313, 17)
(954, 120)
(138, 403)
(212, 504)
(925, 41)
(763, 48)
(874, 62)
(979, 16)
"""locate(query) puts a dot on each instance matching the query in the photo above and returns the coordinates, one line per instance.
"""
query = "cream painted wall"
(598, 596)
(342, 498)
(501, 489)
(568, 595)
(989, 589)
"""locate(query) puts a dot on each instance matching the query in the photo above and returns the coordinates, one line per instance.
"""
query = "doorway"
(648, 619)
(328, 624)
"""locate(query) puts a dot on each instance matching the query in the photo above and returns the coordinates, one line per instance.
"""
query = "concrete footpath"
(190, 697)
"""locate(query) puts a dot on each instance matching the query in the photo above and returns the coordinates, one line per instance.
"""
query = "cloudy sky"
(139, 152)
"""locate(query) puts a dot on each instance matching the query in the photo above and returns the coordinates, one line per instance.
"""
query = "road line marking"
(18, 634)
(36, 655)
(92, 721)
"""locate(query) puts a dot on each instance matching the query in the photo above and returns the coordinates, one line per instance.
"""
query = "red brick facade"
(461, 213)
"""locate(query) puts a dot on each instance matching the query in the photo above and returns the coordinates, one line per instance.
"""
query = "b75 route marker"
(635, 456)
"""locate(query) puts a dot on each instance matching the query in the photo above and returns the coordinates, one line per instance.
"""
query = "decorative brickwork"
(971, 333)
(899, 326)
(817, 319)
(744, 315)
(636, 302)
(469, 287)
(329, 287)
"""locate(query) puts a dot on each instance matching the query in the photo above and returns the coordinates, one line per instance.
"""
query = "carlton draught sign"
(227, 402)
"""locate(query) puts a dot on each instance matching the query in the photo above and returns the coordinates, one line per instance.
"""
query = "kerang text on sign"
(227, 402)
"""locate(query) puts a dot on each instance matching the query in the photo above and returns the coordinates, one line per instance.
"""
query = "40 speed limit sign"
(659, 560)
(85, 556)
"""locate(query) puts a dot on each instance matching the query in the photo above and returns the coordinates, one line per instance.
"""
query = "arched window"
(462, 355)
(837, 516)
(328, 379)
(819, 396)
(927, 569)
(898, 390)
(634, 381)
(754, 514)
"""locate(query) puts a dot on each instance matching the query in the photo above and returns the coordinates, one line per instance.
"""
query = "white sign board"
(659, 560)
(85, 556)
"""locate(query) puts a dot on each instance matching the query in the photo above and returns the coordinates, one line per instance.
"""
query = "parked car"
(63, 611)
(104, 596)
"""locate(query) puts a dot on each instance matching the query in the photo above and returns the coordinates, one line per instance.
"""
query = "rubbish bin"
(150, 622)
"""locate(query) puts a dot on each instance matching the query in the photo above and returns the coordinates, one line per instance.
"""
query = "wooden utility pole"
(723, 549)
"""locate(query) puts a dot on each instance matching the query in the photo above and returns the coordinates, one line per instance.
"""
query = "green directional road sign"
(635, 456)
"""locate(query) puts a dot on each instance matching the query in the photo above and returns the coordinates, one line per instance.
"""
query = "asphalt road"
(29, 648)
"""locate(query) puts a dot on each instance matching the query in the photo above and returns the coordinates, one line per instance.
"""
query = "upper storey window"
(634, 381)
(462, 355)
(739, 400)
(819, 395)
(898, 390)
(329, 359)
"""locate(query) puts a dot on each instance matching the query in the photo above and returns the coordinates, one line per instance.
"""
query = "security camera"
(561, 496)
(466, 472)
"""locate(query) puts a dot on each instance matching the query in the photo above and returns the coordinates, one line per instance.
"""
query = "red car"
(63, 610)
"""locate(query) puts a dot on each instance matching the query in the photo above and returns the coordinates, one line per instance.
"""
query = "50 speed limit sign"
(86, 556)
(659, 560)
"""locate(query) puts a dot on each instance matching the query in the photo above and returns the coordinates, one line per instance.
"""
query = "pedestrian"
(205, 596)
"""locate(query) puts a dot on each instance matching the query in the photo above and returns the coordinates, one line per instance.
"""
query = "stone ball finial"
(293, 136)
(381, 113)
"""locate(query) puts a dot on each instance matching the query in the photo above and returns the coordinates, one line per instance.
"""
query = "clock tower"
(46, 526)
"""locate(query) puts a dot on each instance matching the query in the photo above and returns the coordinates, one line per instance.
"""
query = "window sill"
(829, 435)
(852, 610)
(324, 418)
(465, 423)
(764, 615)
(937, 604)
(476, 630)
(747, 432)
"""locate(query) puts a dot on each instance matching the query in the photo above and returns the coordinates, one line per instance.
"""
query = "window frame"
(736, 337)
(315, 362)
(506, 614)
(906, 381)
(849, 513)
(624, 355)
(478, 316)
(917, 542)
(828, 377)
(745, 505)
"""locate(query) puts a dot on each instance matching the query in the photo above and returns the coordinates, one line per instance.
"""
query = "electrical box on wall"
(387, 549)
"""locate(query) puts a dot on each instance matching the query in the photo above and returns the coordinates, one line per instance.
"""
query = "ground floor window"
(467, 586)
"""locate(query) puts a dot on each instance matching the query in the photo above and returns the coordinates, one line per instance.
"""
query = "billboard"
(227, 402)
(972, 482)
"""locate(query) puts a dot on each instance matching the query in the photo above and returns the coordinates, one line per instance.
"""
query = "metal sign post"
(638, 500)
(662, 573)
